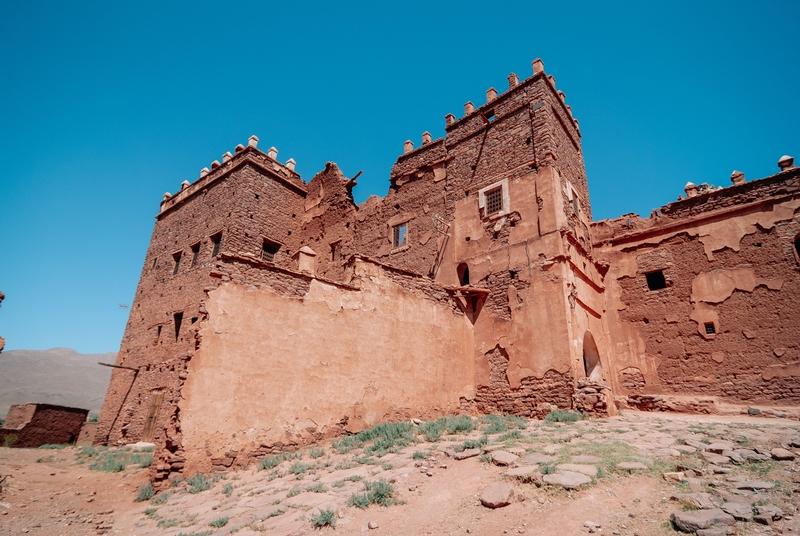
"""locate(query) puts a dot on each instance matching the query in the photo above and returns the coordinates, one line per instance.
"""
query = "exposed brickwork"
(34, 425)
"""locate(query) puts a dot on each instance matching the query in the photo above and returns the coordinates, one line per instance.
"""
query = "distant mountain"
(55, 376)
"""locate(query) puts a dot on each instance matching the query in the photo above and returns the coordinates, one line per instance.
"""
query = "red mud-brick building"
(273, 311)
(33, 425)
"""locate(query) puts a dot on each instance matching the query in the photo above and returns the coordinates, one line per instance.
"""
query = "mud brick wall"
(534, 397)
(738, 273)
(34, 425)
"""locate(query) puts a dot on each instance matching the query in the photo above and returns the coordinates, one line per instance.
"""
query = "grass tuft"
(378, 492)
(161, 498)
(563, 415)
(316, 453)
(324, 518)
(385, 437)
(219, 522)
(198, 483)
(146, 493)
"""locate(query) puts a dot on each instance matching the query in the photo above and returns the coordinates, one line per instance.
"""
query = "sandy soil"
(53, 492)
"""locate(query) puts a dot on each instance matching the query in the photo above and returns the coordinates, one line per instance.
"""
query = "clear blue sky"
(104, 106)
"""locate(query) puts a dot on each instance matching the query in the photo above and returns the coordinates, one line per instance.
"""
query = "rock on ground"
(694, 520)
(501, 457)
(497, 495)
(739, 511)
(567, 479)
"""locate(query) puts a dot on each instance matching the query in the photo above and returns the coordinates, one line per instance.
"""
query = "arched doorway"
(591, 358)
(463, 274)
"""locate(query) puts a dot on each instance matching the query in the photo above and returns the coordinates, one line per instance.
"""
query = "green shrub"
(219, 522)
(298, 469)
(317, 488)
(293, 493)
(418, 455)
(378, 492)
(227, 489)
(494, 424)
(316, 453)
(511, 435)
(384, 437)
(563, 415)
(168, 523)
(87, 452)
(51, 446)
(461, 424)
(354, 478)
(161, 498)
(433, 430)
(146, 492)
(117, 460)
(325, 517)
(471, 444)
(547, 468)
(198, 483)
(150, 512)
(93, 417)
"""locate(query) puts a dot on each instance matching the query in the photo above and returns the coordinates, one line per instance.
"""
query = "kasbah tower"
(272, 311)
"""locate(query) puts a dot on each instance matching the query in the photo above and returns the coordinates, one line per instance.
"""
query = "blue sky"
(104, 106)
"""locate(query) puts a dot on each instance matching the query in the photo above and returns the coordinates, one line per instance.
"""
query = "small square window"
(710, 329)
(494, 200)
(195, 253)
(399, 235)
(216, 240)
(656, 280)
(177, 257)
(269, 250)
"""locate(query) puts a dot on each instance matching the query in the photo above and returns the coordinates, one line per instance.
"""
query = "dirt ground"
(53, 492)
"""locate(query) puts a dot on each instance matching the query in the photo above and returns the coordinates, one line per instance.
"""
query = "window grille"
(268, 251)
(494, 200)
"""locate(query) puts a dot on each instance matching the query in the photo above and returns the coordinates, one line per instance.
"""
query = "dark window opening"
(158, 333)
(177, 257)
(336, 251)
(257, 197)
(217, 241)
(512, 274)
(797, 245)
(155, 262)
(463, 274)
(710, 329)
(268, 251)
(178, 317)
(656, 280)
(194, 319)
(575, 203)
(399, 235)
(494, 200)
(488, 116)
(195, 253)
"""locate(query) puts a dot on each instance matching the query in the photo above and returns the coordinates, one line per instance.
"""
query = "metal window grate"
(494, 200)
(399, 234)
(268, 252)
(710, 329)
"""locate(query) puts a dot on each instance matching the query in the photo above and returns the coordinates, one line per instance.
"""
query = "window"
(155, 262)
(488, 116)
(494, 201)
(797, 246)
(463, 274)
(336, 251)
(710, 329)
(195, 253)
(656, 280)
(178, 317)
(399, 235)
(177, 257)
(269, 250)
(217, 241)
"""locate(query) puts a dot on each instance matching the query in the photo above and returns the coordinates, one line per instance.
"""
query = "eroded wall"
(726, 323)
(275, 371)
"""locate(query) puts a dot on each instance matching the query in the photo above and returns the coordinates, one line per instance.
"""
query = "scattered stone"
(781, 454)
(717, 447)
(764, 520)
(586, 459)
(469, 453)
(372, 525)
(537, 458)
(521, 472)
(674, 477)
(632, 466)
(694, 520)
(501, 457)
(567, 479)
(716, 459)
(755, 484)
(754, 411)
(769, 510)
(739, 511)
(589, 470)
(497, 495)
(751, 455)
(715, 531)
(703, 501)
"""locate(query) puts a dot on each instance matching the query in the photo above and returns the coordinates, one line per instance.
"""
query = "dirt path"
(52, 492)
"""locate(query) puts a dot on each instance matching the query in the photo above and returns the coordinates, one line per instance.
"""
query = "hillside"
(55, 376)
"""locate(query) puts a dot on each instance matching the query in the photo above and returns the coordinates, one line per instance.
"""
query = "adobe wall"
(40, 424)
(247, 199)
(281, 367)
(729, 261)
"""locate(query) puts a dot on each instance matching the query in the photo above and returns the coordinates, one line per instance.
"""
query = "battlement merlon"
(266, 162)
